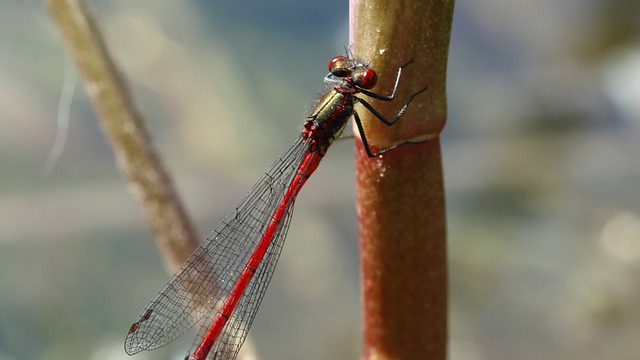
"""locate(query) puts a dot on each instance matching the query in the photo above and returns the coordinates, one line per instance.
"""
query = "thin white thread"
(62, 120)
(66, 96)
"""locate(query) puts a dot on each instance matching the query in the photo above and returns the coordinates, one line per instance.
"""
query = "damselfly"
(221, 285)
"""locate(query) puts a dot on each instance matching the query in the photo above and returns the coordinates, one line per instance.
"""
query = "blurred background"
(540, 158)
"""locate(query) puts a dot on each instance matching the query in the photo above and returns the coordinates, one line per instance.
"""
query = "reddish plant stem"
(400, 195)
(403, 253)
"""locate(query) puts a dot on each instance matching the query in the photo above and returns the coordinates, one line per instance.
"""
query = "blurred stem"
(125, 129)
(400, 195)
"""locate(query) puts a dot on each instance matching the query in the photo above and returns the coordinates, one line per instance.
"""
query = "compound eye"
(339, 66)
(366, 79)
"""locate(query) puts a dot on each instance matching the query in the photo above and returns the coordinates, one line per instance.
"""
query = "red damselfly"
(222, 284)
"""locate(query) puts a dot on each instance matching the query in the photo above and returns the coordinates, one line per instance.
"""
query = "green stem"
(400, 195)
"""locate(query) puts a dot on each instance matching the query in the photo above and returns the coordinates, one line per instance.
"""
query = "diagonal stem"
(125, 129)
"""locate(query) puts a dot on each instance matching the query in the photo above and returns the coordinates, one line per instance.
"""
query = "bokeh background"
(540, 155)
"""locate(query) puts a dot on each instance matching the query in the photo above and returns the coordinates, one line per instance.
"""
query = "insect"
(222, 283)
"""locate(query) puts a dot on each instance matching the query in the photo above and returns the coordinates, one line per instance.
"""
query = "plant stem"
(400, 195)
(125, 129)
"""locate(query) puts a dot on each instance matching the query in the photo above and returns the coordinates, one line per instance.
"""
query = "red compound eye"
(367, 79)
(336, 61)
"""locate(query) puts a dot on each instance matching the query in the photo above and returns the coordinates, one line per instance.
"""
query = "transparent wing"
(198, 288)
(228, 344)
